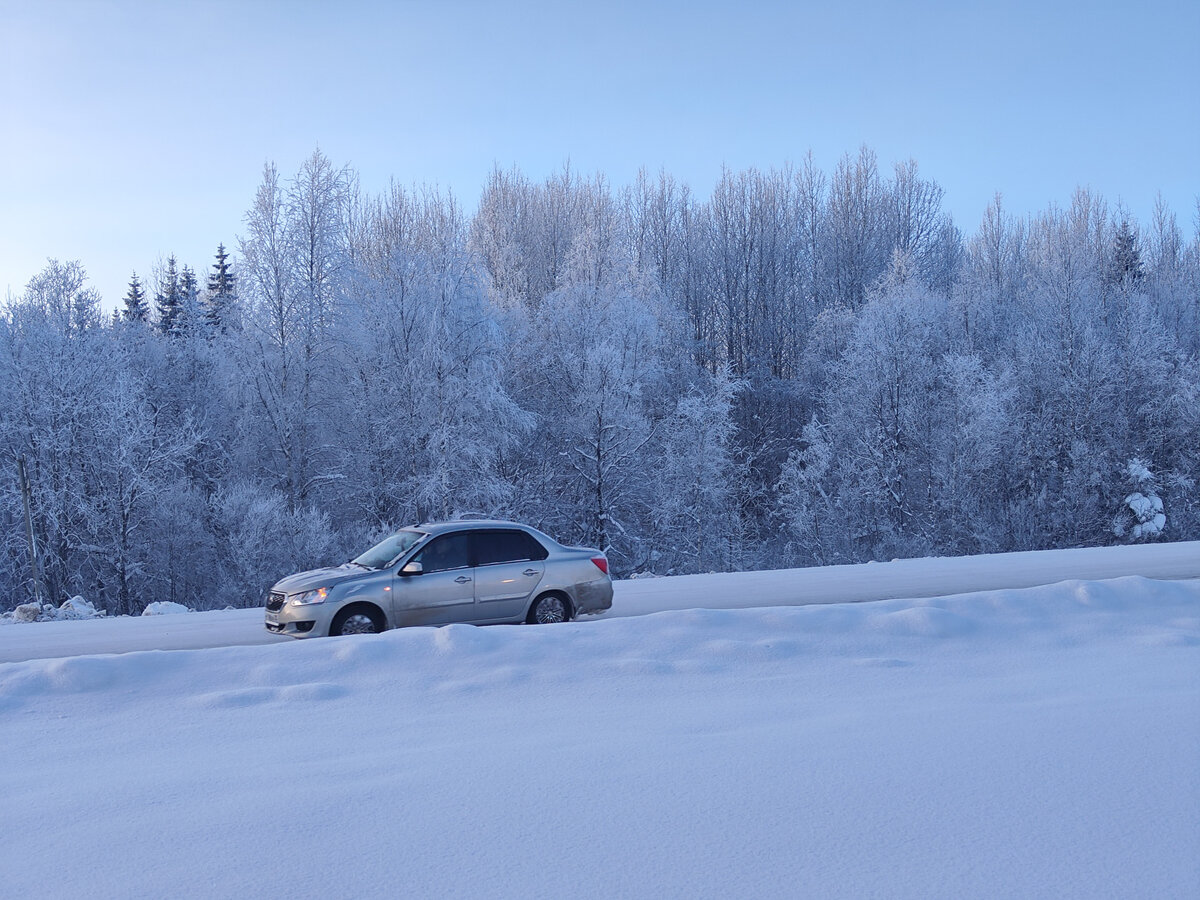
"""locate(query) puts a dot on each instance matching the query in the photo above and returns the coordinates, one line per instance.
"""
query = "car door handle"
(461, 579)
(530, 572)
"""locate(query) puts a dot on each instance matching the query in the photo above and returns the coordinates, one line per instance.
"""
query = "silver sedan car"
(433, 574)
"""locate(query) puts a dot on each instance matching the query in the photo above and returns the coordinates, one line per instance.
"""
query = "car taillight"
(601, 563)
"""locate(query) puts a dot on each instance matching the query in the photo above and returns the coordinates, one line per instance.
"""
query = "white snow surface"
(1008, 743)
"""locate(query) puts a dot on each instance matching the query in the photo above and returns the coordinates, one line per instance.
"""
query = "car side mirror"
(412, 568)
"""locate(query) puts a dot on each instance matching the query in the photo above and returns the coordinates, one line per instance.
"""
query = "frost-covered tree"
(524, 231)
(971, 484)
(221, 299)
(169, 301)
(1125, 268)
(916, 220)
(695, 491)
(136, 309)
(431, 421)
(62, 299)
(295, 266)
(887, 398)
(57, 357)
(857, 243)
(591, 358)
(191, 316)
(808, 501)
(134, 480)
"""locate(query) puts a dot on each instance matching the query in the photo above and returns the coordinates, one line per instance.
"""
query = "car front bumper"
(300, 621)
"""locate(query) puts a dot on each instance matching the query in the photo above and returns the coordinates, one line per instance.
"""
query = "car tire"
(549, 609)
(356, 620)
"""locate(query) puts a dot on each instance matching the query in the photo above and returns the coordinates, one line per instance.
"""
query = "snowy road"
(909, 578)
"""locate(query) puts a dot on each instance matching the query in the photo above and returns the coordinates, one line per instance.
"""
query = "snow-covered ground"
(1020, 742)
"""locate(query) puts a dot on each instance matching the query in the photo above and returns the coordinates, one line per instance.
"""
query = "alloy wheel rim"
(551, 610)
(358, 624)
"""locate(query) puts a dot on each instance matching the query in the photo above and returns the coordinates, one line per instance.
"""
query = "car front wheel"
(356, 621)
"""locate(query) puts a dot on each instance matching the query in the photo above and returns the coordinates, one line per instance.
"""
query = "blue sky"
(137, 129)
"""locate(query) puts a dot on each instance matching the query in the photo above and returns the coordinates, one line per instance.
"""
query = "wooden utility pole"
(33, 557)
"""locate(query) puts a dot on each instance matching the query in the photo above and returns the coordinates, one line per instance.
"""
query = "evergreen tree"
(1126, 270)
(222, 292)
(169, 301)
(189, 300)
(135, 301)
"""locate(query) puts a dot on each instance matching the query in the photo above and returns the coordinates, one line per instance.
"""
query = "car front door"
(444, 591)
(509, 565)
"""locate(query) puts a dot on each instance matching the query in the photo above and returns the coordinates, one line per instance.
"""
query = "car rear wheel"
(549, 609)
(356, 620)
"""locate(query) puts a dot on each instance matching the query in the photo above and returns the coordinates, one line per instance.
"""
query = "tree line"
(802, 368)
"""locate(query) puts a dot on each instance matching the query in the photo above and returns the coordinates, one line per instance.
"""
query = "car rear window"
(506, 546)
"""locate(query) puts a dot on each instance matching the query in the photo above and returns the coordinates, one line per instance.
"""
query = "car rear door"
(509, 565)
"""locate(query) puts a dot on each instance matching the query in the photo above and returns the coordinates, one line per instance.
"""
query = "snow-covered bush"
(1141, 516)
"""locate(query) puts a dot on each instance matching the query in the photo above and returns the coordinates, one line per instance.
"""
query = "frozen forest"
(803, 368)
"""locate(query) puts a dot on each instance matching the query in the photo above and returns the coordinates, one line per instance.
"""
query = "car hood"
(319, 578)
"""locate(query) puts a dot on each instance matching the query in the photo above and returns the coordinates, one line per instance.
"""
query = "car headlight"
(308, 598)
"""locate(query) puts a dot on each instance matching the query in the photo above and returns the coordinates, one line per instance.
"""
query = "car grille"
(275, 601)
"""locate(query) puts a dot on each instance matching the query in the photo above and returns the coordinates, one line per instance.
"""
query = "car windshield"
(388, 549)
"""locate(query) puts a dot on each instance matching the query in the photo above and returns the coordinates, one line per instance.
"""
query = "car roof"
(469, 524)
(432, 529)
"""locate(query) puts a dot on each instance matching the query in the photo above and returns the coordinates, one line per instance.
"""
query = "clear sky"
(136, 129)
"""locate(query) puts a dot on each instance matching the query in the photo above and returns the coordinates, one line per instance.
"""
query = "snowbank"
(906, 578)
(1012, 743)
(164, 608)
(70, 610)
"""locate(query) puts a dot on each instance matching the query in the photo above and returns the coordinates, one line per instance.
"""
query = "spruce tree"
(221, 292)
(189, 300)
(135, 301)
(168, 300)
(1126, 268)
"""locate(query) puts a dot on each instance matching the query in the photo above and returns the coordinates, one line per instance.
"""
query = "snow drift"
(1037, 742)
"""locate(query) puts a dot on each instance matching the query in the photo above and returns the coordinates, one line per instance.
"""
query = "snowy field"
(1010, 743)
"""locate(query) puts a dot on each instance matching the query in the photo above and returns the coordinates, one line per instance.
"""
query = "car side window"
(506, 546)
(450, 551)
